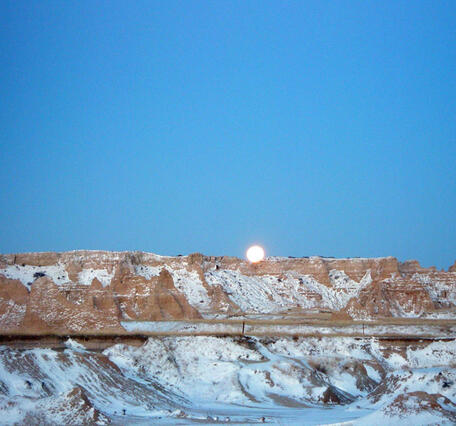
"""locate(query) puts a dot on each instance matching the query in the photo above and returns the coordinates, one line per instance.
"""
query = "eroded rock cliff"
(95, 291)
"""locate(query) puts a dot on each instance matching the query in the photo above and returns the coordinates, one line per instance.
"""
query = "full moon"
(255, 254)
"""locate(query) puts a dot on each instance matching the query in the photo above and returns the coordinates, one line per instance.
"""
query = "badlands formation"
(95, 292)
(93, 337)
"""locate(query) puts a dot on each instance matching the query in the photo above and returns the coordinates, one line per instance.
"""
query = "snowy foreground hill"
(137, 338)
(182, 380)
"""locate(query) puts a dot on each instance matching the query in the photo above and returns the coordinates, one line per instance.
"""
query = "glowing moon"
(255, 254)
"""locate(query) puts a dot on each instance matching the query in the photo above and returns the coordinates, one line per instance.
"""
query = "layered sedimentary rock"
(13, 303)
(95, 291)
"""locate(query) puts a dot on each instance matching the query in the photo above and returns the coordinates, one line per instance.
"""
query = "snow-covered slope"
(249, 380)
(272, 293)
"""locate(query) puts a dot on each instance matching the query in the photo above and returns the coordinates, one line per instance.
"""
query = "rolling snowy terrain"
(212, 379)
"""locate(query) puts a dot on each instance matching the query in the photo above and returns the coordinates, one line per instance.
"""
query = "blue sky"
(312, 128)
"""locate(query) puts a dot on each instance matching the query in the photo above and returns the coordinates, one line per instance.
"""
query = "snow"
(203, 378)
(204, 368)
(183, 327)
(289, 328)
(439, 353)
(148, 271)
(346, 347)
(186, 281)
(73, 344)
(206, 378)
(438, 289)
(254, 294)
(51, 371)
(391, 418)
(443, 314)
(14, 313)
(27, 274)
(373, 373)
(189, 283)
(86, 276)
(270, 293)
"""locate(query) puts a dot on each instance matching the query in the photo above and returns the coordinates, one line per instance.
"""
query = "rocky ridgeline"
(93, 291)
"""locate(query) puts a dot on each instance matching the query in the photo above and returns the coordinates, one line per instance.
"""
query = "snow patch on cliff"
(86, 276)
(189, 283)
(26, 274)
(270, 293)
(148, 271)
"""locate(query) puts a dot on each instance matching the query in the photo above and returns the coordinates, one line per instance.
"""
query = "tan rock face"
(391, 299)
(94, 291)
(50, 310)
(317, 267)
(413, 266)
(151, 300)
(13, 303)
(37, 259)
